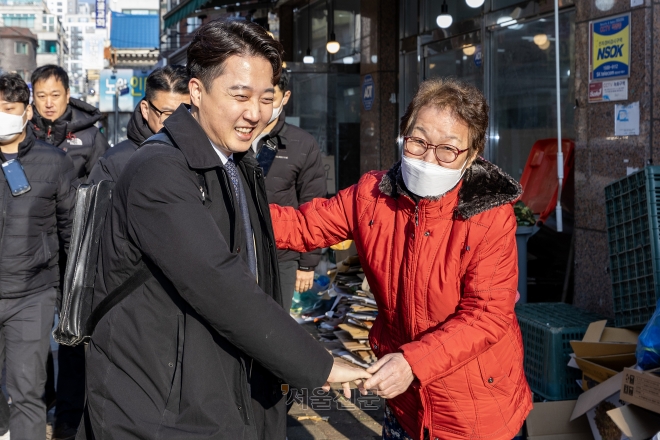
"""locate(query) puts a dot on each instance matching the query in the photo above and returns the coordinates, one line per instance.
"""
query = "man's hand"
(345, 374)
(392, 376)
(304, 280)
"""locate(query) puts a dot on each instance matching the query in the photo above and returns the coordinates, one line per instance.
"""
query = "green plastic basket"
(547, 330)
(631, 206)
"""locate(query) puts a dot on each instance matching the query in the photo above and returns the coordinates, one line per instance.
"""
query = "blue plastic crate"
(547, 330)
(631, 207)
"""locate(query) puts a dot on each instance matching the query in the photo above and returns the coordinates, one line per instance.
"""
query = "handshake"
(387, 378)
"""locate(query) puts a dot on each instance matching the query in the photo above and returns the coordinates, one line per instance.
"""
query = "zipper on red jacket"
(417, 215)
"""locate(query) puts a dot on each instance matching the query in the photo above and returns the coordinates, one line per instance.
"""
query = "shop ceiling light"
(474, 3)
(604, 5)
(545, 46)
(333, 45)
(506, 21)
(348, 60)
(308, 59)
(540, 39)
(444, 20)
(469, 50)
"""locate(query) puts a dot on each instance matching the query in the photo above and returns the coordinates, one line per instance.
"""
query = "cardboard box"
(603, 352)
(635, 422)
(551, 421)
(595, 404)
(600, 340)
(641, 388)
(601, 368)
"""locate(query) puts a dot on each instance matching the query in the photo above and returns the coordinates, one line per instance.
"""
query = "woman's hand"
(392, 376)
(345, 374)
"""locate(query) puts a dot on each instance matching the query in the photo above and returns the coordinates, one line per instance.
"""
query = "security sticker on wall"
(609, 40)
(626, 119)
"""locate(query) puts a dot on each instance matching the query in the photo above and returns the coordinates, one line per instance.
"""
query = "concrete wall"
(602, 157)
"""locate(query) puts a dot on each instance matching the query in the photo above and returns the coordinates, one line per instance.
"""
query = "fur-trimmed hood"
(485, 186)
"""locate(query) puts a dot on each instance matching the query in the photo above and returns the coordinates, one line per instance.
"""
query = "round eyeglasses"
(444, 152)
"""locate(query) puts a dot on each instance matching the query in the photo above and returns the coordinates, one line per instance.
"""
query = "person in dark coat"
(166, 89)
(66, 122)
(203, 348)
(294, 175)
(35, 227)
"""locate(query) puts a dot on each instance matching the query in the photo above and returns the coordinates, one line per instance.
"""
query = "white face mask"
(427, 179)
(277, 111)
(11, 126)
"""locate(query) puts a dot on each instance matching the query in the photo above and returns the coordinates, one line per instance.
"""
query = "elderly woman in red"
(436, 238)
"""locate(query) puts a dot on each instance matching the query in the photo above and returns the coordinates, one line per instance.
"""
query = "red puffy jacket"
(444, 274)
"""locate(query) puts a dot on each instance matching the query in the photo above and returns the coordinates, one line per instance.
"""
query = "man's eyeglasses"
(162, 115)
(444, 153)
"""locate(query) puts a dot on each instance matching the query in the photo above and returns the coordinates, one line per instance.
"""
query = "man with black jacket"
(202, 348)
(34, 230)
(166, 89)
(294, 175)
(66, 122)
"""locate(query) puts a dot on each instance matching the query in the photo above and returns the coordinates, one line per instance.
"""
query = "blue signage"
(129, 84)
(100, 14)
(610, 48)
(478, 56)
(368, 92)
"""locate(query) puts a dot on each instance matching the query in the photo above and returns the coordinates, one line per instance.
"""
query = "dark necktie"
(232, 169)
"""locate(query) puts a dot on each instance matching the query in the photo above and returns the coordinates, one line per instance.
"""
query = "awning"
(182, 10)
(188, 7)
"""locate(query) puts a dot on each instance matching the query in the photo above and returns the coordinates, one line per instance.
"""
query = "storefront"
(505, 48)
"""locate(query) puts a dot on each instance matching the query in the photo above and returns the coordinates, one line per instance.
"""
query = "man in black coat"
(66, 122)
(294, 175)
(203, 348)
(35, 228)
(166, 89)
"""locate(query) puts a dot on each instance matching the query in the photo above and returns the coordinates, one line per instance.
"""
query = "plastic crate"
(547, 330)
(631, 206)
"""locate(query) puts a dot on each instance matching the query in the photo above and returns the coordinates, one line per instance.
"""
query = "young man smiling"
(35, 228)
(202, 348)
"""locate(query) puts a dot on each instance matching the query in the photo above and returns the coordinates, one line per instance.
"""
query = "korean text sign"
(135, 80)
(610, 48)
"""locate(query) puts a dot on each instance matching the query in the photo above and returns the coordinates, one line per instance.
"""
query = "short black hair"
(14, 89)
(285, 78)
(217, 40)
(173, 79)
(43, 73)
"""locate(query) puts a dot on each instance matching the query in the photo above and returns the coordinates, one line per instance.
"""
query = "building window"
(47, 46)
(48, 22)
(19, 20)
(192, 23)
(21, 48)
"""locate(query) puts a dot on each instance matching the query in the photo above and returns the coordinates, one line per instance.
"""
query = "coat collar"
(193, 142)
(485, 186)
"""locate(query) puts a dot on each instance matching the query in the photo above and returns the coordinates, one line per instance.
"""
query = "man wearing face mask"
(436, 238)
(291, 160)
(34, 230)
